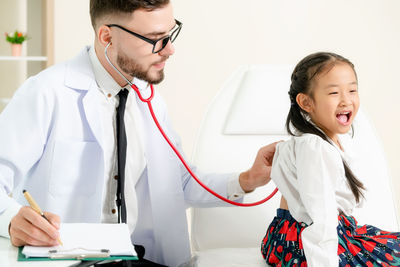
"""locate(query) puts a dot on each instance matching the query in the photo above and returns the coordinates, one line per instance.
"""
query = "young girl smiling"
(314, 225)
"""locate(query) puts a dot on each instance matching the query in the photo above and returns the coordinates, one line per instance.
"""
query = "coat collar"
(79, 73)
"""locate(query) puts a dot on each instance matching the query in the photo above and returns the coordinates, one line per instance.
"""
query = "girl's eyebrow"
(337, 85)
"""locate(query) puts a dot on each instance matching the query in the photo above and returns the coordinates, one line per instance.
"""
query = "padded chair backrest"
(371, 168)
(249, 112)
(3, 103)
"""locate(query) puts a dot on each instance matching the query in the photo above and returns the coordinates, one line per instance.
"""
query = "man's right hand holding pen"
(30, 228)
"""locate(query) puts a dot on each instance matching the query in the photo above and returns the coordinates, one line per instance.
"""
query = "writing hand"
(29, 228)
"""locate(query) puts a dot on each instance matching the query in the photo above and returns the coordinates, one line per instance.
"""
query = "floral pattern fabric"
(358, 245)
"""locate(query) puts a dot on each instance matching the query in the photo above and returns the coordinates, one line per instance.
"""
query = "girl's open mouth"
(344, 117)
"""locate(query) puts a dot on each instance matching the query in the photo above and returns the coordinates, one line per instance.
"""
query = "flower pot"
(16, 50)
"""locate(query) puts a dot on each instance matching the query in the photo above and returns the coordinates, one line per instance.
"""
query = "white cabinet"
(33, 17)
(23, 58)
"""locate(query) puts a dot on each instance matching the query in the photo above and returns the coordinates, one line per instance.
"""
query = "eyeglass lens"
(160, 44)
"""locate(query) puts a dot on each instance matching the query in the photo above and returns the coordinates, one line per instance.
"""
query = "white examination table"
(249, 112)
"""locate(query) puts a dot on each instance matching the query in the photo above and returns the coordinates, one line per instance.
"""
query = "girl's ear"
(304, 101)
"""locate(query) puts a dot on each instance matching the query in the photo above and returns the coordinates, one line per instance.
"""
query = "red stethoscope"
(148, 102)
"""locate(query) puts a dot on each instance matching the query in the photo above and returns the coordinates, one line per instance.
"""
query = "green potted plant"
(16, 41)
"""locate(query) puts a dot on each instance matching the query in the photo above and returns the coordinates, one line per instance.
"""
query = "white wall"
(218, 36)
(72, 28)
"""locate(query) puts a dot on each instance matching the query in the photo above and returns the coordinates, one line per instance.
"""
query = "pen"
(36, 208)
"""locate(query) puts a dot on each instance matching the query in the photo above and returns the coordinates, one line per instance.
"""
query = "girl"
(314, 225)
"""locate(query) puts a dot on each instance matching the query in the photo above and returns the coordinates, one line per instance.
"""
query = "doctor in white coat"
(57, 140)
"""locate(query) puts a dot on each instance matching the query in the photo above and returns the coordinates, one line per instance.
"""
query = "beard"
(136, 70)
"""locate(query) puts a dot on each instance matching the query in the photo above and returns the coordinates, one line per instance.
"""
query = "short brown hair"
(101, 8)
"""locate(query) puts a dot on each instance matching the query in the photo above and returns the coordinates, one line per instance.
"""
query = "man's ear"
(104, 35)
(305, 102)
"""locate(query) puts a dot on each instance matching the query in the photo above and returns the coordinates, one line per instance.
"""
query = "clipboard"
(85, 241)
(22, 257)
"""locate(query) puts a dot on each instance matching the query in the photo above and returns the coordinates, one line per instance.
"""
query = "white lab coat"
(51, 145)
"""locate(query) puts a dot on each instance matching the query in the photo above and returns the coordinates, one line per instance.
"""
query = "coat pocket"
(76, 168)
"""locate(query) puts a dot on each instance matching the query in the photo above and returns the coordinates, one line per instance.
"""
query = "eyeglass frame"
(150, 41)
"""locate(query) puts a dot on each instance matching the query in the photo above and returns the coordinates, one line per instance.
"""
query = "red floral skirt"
(358, 245)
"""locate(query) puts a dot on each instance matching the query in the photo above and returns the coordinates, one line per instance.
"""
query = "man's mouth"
(344, 117)
(159, 65)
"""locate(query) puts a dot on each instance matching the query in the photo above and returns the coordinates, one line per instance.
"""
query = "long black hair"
(296, 122)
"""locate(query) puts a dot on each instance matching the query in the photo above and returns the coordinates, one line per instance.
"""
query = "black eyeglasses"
(158, 44)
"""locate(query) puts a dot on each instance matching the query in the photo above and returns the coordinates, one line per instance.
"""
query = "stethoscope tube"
(150, 107)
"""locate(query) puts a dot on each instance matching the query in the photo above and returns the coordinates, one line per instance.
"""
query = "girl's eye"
(353, 91)
(333, 93)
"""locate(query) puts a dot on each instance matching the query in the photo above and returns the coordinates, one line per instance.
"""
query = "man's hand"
(260, 173)
(29, 228)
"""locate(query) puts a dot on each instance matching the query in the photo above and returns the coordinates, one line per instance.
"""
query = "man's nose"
(168, 50)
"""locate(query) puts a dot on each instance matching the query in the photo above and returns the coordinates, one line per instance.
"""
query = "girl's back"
(305, 169)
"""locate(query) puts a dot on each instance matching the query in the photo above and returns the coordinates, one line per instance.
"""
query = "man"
(59, 141)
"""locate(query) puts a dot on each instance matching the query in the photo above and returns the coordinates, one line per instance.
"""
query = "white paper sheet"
(81, 238)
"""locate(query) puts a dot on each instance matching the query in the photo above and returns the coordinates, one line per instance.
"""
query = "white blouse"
(310, 175)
